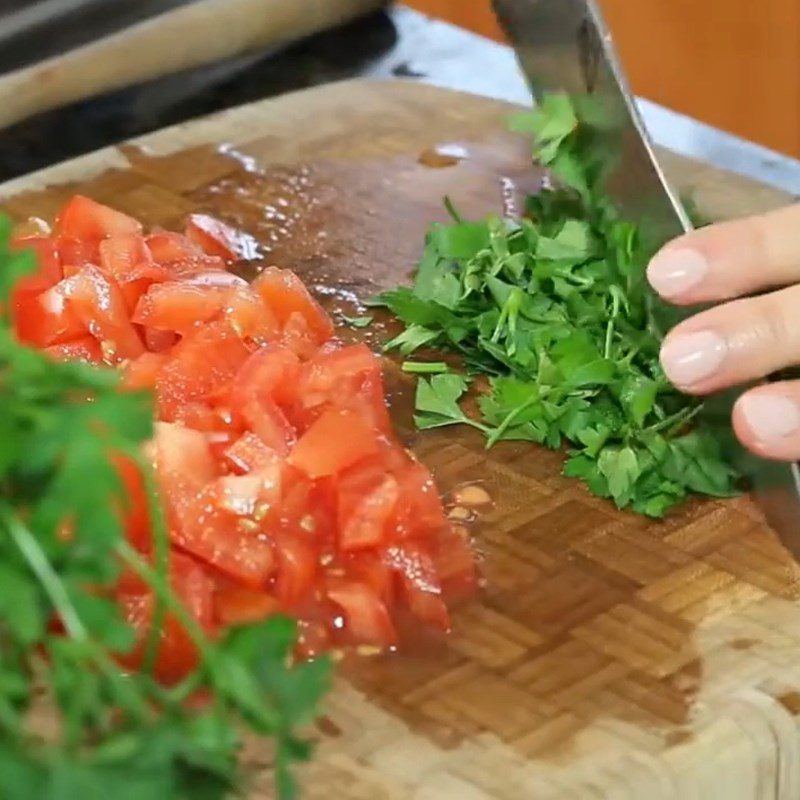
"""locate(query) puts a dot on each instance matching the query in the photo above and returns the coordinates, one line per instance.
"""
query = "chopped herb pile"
(554, 309)
(61, 548)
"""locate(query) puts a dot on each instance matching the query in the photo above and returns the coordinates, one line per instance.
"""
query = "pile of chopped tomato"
(284, 487)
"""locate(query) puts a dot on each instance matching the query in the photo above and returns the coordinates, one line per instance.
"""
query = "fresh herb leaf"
(554, 308)
(357, 322)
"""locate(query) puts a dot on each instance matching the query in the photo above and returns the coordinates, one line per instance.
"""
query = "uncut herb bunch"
(553, 308)
(62, 547)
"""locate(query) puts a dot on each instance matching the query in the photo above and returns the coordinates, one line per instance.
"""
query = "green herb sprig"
(61, 550)
(553, 308)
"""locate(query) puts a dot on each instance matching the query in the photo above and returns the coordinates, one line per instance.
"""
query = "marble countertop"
(399, 43)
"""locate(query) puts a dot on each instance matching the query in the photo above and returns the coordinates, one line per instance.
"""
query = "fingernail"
(770, 417)
(673, 272)
(691, 357)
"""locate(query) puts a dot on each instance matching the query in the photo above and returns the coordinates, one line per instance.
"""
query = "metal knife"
(565, 46)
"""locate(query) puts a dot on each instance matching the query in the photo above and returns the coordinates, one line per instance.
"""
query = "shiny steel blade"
(565, 46)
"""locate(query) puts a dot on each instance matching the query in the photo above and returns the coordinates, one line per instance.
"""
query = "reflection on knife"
(565, 46)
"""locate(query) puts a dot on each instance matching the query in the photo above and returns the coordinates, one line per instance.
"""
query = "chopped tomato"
(198, 366)
(168, 248)
(97, 301)
(136, 512)
(85, 350)
(142, 372)
(235, 605)
(177, 307)
(177, 655)
(248, 453)
(334, 442)
(85, 219)
(366, 503)
(284, 487)
(285, 294)
(213, 236)
(77, 253)
(421, 587)
(366, 619)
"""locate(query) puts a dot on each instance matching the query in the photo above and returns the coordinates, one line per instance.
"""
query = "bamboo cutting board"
(607, 656)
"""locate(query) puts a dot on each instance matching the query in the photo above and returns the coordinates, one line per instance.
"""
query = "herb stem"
(424, 367)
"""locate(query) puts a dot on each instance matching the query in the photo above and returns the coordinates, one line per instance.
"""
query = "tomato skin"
(86, 219)
(270, 372)
(213, 236)
(286, 294)
(297, 568)
(334, 442)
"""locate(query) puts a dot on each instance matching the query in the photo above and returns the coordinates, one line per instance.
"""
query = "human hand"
(739, 340)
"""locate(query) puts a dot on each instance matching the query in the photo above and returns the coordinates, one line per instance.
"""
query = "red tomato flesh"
(284, 487)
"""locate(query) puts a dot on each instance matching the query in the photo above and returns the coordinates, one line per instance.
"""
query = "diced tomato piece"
(236, 605)
(334, 442)
(86, 219)
(370, 568)
(177, 655)
(366, 503)
(454, 561)
(159, 341)
(255, 495)
(178, 307)
(297, 567)
(270, 372)
(199, 366)
(142, 372)
(250, 316)
(97, 301)
(48, 261)
(420, 511)
(366, 619)
(265, 379)
(48, 317)
(213, 236)
(77, 253)
(186, 471)
(125, 257)
(422, 591)
(298, 337)
(136, 511)
(249, 453)
(286, 294)
(169, 248)
(85, 350)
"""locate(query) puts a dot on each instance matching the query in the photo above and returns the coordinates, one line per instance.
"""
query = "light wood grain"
(198, 33)
(608, 656)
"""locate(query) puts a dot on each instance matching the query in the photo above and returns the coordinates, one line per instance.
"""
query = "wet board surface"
(607, 656)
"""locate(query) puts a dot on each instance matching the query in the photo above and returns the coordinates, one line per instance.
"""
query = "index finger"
(730, 259)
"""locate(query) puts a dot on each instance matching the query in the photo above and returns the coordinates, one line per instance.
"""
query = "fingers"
(767, 420)
(730, 259)
(734, 343)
